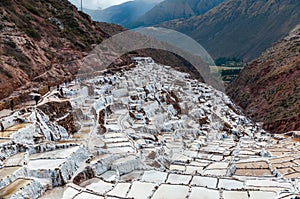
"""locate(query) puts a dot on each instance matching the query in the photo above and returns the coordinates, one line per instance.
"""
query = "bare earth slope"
(269, 88)
(41, 42)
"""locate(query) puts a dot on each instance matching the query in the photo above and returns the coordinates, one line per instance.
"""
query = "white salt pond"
(171, 191)
(154, 176)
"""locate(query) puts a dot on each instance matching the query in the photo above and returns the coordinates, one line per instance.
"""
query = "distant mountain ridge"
(240, 28)
(269, 88)
(175, 9)
(123, 14)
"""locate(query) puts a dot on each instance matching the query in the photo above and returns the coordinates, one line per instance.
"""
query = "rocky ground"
(42, 43)
(268, 89)
(147, 132)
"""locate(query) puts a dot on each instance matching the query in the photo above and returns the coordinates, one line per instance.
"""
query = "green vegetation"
(5, 2)
(32, 10)
(228, 68)
(33, 34)
(229, 62)
(5, 72)
(26, 68)
(17, 54)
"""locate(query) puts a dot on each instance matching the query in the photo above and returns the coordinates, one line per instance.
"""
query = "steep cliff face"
(269, 88)
(42, 42)
(241, 28)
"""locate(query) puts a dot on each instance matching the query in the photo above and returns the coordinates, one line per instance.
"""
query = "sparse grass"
(16, 54)
(32, 9)
(5, 72)
(228, 74)
(26, 68)
(33, 34)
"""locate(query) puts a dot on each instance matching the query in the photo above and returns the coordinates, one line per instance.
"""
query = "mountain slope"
(269, 88)
(175, 9)
(123, 14)
(41, 43)
(241, 28)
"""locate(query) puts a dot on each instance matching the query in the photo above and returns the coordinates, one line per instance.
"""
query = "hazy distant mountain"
(175, 9)
(268, 89)
(123, 14)
(241, 28)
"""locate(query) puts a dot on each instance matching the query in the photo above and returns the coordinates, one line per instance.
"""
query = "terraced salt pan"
(13, 188)
(14, 160)
(204, 193)
(3, 141)
(113, 128)
(114, 140)
(100, 186)
(230, 184)
(204, 181)
(118, 144)
(45, 164)
(61, 153)
(253, 172)
(7, 171)
(235, 195)
(127, 164)
(180, 158)
(187, 159)
(70, 193)
(266, 183)
(134, 175)
(220, 172)
(154, 176)
(11, 130)
(109, 176)
(118, 150)
(113, 135)
(120, 190)
(171, 191)
(202, 163)
(218, 165)
(177, 167)
(262, 194)
(17, 127)
(294, 175)
(141, 190)
(60, 192)
(179, 179)
(252, 165)
(193, 169)
(85, 195)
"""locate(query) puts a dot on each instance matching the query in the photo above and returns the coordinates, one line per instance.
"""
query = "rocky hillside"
(269, 88)
(123, 14)
(241, 28)
(41, 43)
(175, 9)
